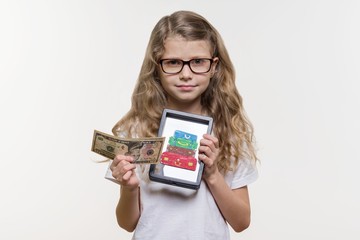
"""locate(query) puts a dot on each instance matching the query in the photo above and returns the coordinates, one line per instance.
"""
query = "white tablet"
(179, 164)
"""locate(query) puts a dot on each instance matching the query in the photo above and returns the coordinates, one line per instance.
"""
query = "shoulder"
(245, 173)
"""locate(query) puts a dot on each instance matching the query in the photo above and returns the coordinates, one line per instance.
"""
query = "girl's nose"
(186, 72)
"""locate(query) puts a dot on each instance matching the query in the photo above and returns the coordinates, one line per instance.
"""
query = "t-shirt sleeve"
(245, 174)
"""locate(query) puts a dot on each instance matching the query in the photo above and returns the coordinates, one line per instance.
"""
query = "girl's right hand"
(123, 170)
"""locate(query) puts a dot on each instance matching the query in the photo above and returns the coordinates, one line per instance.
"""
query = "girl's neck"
(189, 108)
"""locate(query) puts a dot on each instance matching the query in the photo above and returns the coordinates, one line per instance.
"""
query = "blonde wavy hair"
(221, 100)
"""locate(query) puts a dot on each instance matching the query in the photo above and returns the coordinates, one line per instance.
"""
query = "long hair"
(221, 100)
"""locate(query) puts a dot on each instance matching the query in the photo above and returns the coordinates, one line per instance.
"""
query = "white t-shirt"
(171, 212)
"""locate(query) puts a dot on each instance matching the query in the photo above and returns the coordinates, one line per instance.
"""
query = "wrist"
(129, 190)
(213, 178)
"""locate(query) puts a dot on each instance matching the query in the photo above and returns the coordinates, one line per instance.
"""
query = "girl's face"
(184, 88)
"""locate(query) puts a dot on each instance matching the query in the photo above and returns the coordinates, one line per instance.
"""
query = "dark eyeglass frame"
(186, 63)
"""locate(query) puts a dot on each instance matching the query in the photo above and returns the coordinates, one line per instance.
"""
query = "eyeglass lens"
(199, 65)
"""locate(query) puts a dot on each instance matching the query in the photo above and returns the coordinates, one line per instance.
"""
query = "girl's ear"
(213, 66)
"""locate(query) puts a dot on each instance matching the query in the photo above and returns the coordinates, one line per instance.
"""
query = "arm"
(128, 207)
(128, 210)
(233, 204)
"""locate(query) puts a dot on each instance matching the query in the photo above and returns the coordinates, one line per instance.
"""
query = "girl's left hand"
(208, 153)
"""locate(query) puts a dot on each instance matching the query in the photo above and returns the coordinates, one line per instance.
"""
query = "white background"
(69, 67)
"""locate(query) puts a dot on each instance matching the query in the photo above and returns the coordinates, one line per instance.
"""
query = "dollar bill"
(144, 150)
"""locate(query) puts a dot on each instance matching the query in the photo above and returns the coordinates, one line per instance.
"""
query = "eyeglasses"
(196, 65)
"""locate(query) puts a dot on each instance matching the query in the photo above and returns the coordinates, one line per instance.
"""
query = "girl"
(187, 68)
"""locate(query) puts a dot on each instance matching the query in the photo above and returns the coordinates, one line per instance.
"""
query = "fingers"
(120, 161)
(122, 167)
(119, 158)
(127, 175)
(210, 141)
(208, 149)
(208, 145)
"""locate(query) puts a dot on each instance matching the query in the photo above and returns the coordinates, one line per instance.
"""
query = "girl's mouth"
(184, 87)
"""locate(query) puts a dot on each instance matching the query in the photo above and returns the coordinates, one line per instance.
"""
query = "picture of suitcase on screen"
(180, 151)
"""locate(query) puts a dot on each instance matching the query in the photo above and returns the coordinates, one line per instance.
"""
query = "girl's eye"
(198, 61)
(173, 62)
